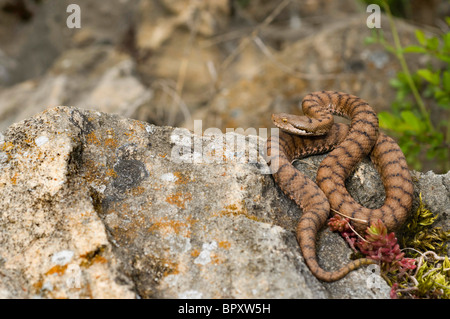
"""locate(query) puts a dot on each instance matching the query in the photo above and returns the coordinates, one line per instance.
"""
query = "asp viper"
(315, 133)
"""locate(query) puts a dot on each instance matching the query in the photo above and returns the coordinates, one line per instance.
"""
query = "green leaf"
(428, 75)
(446, 81)
(431, 154)
(421, 37)
(444, 102)
(443, 57)
(433, 44)
(437, 139)
(396, 83)
(414, 49)
(446, 265)
(387, 121)
(441, 97)
(446, 38)
(413, 122)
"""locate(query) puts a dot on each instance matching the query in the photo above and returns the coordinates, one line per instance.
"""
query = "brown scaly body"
(349, 145)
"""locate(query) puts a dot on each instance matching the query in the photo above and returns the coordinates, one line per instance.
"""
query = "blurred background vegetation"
(231, 63)
(423, 137)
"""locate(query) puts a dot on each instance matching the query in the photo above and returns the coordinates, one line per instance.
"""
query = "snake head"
(294, 124)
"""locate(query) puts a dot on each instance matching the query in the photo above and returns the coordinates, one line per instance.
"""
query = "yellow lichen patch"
(129, 134)
(224, 244)
(58, 269)
(111, 173)
(179, 199)
(8, 146)
(217, 259)
(140, 124)
(38, 285)
(167, 226)
(94, 172)
(234, 210)
(91, 138)
(170, 268)
(14, 178)
(110, 142)
(138, 191)
(195, 253)
(182, 179)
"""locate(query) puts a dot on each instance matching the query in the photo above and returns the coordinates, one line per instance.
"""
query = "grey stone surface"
(95, 205)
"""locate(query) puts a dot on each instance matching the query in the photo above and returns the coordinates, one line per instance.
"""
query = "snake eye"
(284, 119)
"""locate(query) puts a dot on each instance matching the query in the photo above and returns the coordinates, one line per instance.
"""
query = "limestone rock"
(110, 86)
(95, 205)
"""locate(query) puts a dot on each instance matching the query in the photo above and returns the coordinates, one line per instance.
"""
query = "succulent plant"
(416, 271)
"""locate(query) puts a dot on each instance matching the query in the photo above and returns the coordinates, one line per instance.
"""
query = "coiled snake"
(315, 133)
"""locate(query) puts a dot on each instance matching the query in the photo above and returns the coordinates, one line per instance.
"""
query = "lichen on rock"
(94, 206)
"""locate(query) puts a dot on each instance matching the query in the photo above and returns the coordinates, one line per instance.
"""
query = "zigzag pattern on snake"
(315, 133)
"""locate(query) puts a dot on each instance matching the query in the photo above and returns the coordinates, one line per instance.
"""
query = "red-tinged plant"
(426, 275)
(339, 223)
(407, 263)
(383, 247)
(377, 244)
(393, 292)
(342, 225)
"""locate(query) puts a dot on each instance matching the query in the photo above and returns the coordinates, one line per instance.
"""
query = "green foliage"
(409, 118)
(433, 280)
(428, 245)
(418, 234)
